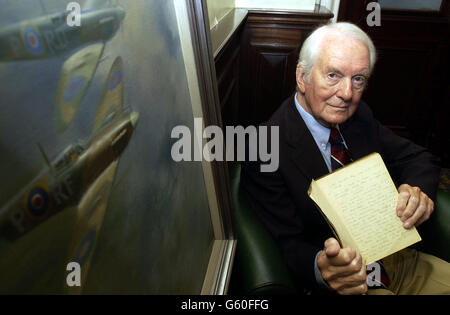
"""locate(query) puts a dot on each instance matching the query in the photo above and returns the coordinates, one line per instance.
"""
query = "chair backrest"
(436, 231)
(258, 265)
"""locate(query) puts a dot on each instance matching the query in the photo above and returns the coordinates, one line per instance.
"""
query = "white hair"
(312, 45)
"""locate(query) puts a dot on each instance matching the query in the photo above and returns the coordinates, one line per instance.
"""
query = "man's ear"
(301, 78)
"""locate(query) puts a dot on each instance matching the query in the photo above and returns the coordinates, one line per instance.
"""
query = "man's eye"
(332, 76)
(359, 80)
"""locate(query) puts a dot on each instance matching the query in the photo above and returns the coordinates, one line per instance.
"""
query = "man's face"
(337, 80)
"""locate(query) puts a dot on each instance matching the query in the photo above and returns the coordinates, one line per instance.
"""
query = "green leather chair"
(258, 267)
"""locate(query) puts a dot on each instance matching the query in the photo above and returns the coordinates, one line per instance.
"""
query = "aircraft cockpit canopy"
(68, 156)
(59, 18)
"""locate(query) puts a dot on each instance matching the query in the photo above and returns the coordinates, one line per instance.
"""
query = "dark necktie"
(340, 156)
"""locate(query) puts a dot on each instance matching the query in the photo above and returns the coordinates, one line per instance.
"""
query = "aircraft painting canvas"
(86, 114)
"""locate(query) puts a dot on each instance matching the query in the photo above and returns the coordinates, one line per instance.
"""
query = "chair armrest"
(258, 265)
(436, 231)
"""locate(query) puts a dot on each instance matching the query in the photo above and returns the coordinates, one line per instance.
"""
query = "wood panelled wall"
(271, 43)
(227, 64)
(256, 69)
(409, 88)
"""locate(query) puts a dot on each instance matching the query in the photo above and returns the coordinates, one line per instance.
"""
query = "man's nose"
(345, 89)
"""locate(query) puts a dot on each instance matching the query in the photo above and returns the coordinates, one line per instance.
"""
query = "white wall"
(217, 9)
(333, 6)
(277, 4)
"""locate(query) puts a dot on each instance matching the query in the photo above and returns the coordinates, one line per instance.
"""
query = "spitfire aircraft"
(50, 35)
(81, 176)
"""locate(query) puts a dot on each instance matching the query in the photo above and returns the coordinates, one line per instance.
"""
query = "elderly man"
(322, 127)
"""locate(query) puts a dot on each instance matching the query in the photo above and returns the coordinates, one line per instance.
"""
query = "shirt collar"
(320, 133)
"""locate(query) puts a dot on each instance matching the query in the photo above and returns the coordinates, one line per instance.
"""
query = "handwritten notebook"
(359, 202)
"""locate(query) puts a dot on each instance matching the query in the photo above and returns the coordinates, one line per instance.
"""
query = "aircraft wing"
(112, 95)
(90, 214)
(76, 75)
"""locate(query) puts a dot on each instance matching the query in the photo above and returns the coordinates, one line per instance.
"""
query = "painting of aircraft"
(106, 192)
(50, 36)
(80, 176)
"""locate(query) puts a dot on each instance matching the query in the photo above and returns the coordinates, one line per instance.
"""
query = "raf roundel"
(116, 79)
(85, 248)
(73, 88)
(37, 202)
(33, 40)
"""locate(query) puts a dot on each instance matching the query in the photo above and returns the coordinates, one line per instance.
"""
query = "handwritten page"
(359, 200)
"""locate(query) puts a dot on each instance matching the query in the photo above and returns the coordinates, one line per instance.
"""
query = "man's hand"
(342, 268)
(413, 206)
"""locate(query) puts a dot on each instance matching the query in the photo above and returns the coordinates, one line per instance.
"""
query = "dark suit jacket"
(280, 198)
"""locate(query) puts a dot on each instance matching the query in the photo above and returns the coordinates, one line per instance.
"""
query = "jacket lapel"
(303, 149)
